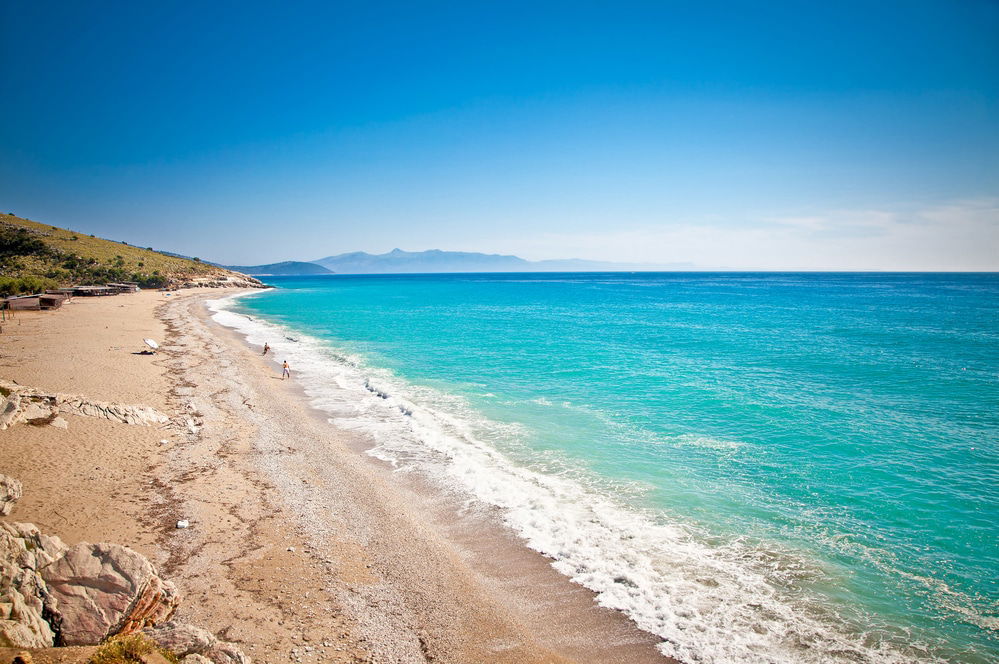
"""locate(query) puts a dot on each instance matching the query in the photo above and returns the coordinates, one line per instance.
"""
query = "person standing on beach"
(266, 347)
(285, 370)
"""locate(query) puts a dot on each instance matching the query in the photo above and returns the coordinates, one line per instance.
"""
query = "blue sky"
(781, 135)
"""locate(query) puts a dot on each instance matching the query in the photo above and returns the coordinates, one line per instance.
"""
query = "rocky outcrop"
(104, 589)
(33, 406)
(55, 595)
(10, 493)
(51, 594)
(227, 280)
(27, 613)
(187, 640)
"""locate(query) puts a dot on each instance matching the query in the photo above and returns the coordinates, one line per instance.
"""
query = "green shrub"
(24, 285)
(19, 242)
(128, 649)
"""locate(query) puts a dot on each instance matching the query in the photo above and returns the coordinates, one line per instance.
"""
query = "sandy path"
(300, 547)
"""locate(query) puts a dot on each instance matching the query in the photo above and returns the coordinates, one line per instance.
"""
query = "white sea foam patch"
(708, 442)
(710, 602)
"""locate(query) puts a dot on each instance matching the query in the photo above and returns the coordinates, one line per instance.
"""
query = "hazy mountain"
(286, 268)
(435, 260)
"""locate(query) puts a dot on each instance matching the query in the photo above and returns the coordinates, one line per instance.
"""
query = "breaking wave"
(710, 600)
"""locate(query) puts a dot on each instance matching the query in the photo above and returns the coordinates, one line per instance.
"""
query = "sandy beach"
(301, 547)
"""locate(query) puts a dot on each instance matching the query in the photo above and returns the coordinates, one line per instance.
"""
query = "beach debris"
(184, 640)
(10, 493)
(105, 589)
(292, 549)
(164, 441)
(152, 344)
(183, 523)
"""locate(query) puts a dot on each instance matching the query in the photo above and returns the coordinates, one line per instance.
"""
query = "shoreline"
(301, 546)
(500, 567)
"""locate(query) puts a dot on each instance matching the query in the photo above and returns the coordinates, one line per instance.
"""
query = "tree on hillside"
(19, 242)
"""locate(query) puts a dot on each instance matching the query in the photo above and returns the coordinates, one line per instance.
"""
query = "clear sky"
(774, 135)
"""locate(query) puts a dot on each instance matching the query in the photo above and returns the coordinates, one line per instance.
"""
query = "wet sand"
(301, 547)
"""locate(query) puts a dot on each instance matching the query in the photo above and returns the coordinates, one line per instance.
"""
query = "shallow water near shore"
(755, 467)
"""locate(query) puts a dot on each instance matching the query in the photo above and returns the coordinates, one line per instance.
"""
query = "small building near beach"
(51, 300)
(93, 291)
(22, 303)
(34, 302)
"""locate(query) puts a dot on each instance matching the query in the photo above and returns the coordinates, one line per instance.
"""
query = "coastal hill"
(36, 256)
(286, 268)
(435, 260)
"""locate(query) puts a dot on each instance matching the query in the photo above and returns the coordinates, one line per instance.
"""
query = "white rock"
(35, 411)
(195, 658)
(183, 523)
(10, 493)
(185, 640)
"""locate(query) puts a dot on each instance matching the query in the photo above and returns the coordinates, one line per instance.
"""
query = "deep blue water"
(757, 467)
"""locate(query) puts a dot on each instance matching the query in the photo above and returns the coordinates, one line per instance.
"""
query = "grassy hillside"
(34, 256)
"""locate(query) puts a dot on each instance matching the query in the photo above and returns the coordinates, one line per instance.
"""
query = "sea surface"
(755, 467)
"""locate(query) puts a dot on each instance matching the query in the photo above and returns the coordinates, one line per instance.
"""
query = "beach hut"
(125, 287)
(51, 300)
(94, 291)
(23, 303)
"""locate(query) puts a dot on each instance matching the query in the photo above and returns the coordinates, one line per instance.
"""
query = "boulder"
(35, 411)
(10, 408)
(187, 640)
(39, 549)
(195, 658)
(26, 609)
(105, 589)
(10, 493)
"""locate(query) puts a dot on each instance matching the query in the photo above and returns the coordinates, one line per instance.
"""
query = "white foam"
(707, 442)
(711, 602)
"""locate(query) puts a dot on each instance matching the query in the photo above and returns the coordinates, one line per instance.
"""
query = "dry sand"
(301, 547)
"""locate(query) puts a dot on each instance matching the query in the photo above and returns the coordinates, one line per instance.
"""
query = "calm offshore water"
(756, 467)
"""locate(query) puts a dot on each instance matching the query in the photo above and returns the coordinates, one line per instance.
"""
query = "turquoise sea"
(755, 467)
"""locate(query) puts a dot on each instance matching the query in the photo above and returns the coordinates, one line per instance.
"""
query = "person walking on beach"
(285, 370)
(266, 347)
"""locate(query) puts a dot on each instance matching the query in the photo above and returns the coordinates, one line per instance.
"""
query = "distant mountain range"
(286, 268)
(435, 260)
